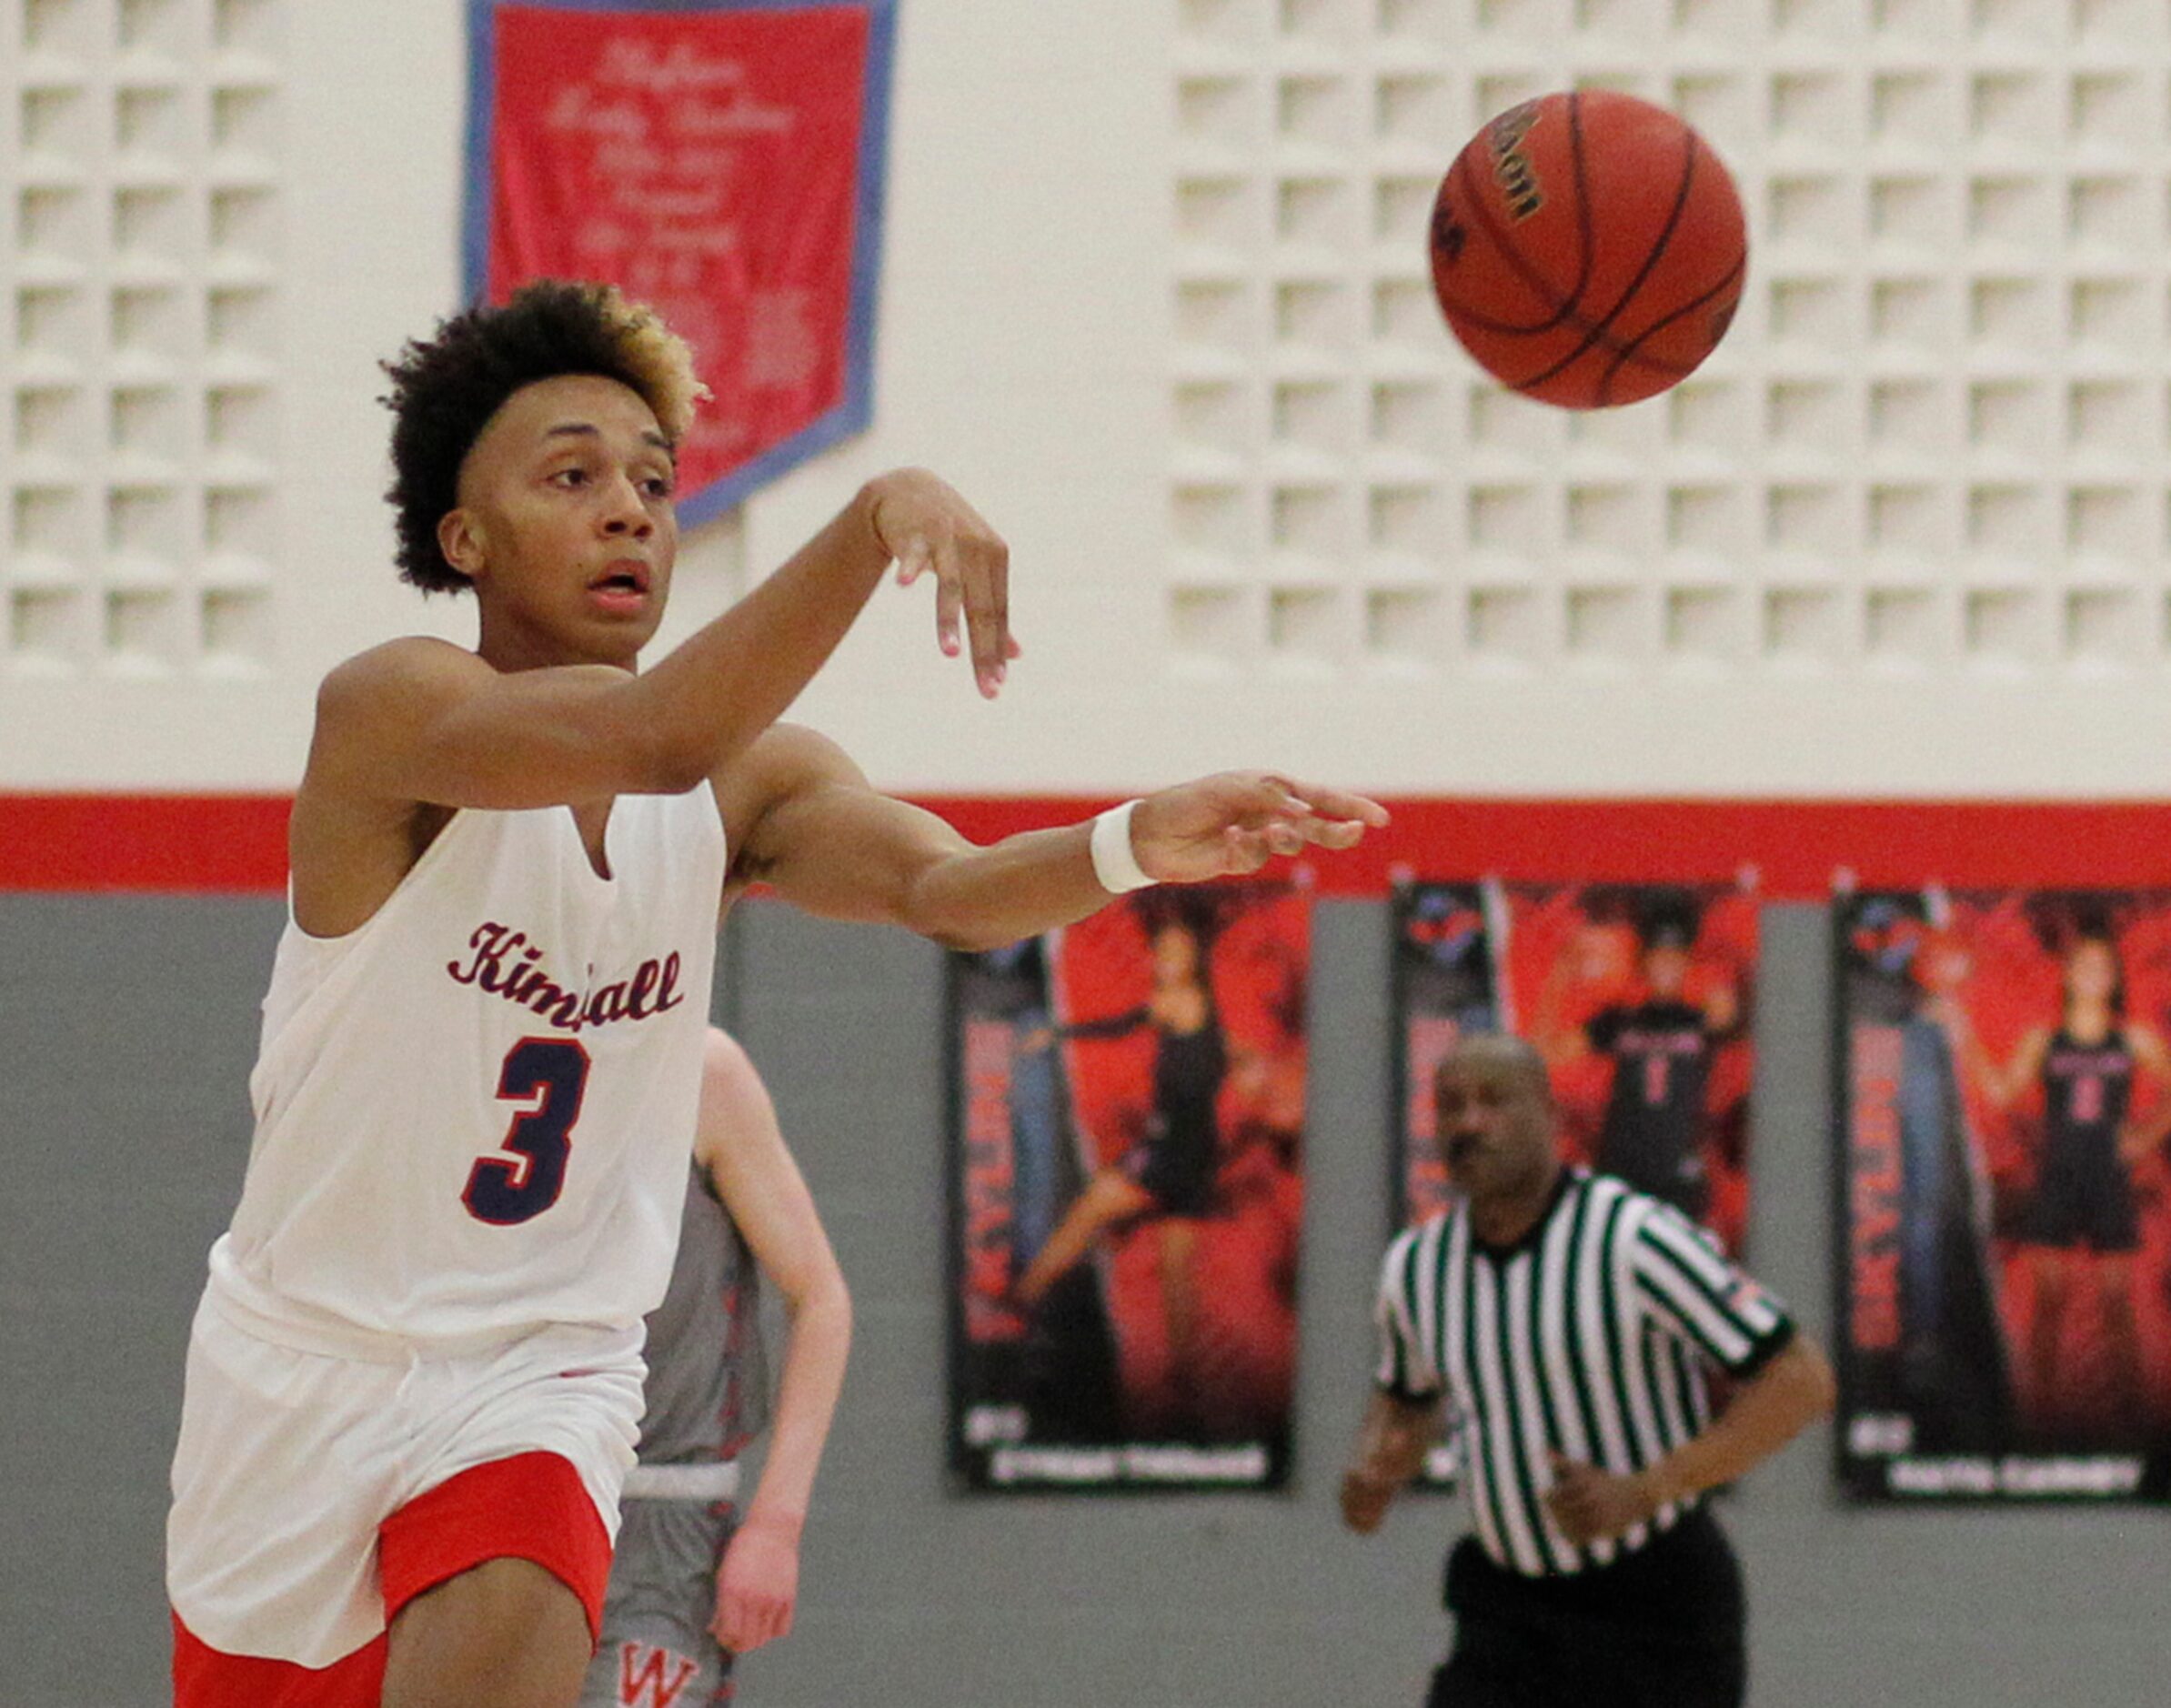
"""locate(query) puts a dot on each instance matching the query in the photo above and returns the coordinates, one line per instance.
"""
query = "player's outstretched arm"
(741, 1145)
(420, 721)
(807, 823)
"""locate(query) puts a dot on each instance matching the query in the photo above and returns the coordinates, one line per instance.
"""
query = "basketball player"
(1170, 1171)
(414, 1381)
(1661, 1047)
(2081, 1217)
(1561, 1322)
(692, 1583)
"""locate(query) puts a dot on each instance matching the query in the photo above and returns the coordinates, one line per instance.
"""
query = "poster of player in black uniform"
(2004, 1104)
(1126, 1164)
(1638, 997)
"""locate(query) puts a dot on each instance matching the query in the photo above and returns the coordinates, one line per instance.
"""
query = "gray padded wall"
(127, 1029)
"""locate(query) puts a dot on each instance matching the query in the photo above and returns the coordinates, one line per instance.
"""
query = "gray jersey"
(707, 1388)
(707, 1394)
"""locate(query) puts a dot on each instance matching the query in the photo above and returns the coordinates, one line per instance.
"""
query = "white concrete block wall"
(1153, 295)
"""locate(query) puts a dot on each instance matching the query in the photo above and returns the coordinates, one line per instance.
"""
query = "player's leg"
(493, 1576)
(2121, 1334)
(1179, 1309)
(1110, 1197)
(2115, 1233)
(506, 1633)
(657, 1649)
(2050, 1280)
(493, 1585)
(284, 1464)
(647, 1662)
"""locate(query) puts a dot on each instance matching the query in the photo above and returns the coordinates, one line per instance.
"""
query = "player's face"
(1175, 954)
(566, 524)
(1495, 1124)
(2092, 973)
(1666, 970)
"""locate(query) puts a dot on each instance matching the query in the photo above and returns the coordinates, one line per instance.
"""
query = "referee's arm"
(1404, 1419)
(1391, 1443)
(1787, 1383)
(1792, 1391)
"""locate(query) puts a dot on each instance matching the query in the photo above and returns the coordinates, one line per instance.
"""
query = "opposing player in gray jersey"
(693, 1581)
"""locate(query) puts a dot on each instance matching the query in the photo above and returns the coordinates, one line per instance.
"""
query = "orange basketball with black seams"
(1588, 248)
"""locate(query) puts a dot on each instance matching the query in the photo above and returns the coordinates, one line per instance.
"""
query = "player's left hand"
(1592, 1505)
(1235, 822)
(757, 1582)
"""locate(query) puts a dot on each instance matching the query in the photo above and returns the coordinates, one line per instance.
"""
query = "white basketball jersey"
(474, 1112)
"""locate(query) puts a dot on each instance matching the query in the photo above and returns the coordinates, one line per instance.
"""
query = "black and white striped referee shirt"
(1585, 1337)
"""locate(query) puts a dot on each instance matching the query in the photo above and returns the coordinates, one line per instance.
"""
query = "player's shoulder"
(792, 749)
(394, 670)
(784, 765)
(784, 760)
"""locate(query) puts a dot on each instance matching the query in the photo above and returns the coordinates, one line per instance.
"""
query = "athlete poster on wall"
(721, 160)
(2004, 1100)
(1638, 996)
(1446, 987)
(1127, 1188)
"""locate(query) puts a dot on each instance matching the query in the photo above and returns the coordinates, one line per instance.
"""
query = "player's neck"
(509, 644)
(2089, 1023)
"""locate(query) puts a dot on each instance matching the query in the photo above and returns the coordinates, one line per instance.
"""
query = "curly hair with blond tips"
(445, 389)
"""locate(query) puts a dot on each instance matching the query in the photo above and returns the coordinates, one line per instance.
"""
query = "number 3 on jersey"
(505, 1193)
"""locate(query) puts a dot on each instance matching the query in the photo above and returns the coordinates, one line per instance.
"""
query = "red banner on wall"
(720, 160)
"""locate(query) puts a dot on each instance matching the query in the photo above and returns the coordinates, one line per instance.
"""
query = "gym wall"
(1153, 295)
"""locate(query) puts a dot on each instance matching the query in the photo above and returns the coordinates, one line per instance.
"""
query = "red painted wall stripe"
(172, 843)
(237, 843)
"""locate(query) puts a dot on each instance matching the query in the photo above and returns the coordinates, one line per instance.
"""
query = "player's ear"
(459, 538)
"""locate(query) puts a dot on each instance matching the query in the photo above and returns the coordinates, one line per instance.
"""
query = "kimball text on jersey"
(506, 964)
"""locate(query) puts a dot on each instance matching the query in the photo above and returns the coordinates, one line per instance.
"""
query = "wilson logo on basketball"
(1512, 167)
(1588, 248)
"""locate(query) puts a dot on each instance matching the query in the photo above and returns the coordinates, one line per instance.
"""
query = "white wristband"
(1114, 864)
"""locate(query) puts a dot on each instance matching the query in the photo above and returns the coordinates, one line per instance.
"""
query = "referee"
(1560, 1322)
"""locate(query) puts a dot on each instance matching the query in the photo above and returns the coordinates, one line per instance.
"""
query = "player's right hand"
(758, 1584)
(1233, 822)
(923, 523)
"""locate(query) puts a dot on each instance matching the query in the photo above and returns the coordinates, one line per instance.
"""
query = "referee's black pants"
(1664, 1627)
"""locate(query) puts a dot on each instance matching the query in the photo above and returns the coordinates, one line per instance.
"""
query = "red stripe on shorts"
(206, 1678)
(532, 1506)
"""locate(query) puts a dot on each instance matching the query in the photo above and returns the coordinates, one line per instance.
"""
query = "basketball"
(1588, 248)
